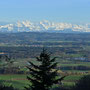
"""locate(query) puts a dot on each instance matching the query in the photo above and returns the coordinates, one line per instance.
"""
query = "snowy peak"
(28, 26)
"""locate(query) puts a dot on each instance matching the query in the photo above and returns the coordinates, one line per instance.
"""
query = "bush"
(59, 88)
(83, 83)
(2, 87)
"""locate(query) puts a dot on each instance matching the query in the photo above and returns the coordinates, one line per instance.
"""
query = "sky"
(72, 11)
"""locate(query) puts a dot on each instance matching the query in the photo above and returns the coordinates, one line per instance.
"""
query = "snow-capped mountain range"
(42, 26)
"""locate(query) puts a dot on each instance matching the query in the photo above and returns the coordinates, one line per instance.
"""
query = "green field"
(17, 81)
(20, 81)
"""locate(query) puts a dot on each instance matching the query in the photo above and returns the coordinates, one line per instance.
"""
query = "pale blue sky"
(73, 11)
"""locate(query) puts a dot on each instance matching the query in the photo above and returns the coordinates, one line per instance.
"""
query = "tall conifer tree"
(43, 76)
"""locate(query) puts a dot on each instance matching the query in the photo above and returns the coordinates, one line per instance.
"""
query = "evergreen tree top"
(42, 76)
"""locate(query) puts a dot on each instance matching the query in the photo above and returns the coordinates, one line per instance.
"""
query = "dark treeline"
(78, 67)
(18, 38)
(26, 52)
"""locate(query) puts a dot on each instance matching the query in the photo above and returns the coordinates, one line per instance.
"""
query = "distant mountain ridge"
(44, 26)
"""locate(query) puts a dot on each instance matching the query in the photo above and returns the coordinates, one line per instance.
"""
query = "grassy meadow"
(20, 81)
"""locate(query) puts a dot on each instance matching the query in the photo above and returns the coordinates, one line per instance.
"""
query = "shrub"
(83, 83)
